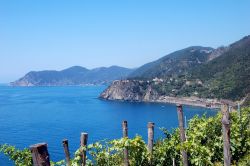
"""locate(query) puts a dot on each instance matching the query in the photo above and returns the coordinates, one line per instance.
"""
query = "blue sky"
(56, 34)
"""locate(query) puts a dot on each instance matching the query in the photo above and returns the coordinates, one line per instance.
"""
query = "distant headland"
(73, 76)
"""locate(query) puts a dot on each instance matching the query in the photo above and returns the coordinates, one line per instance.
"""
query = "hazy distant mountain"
(75, 75)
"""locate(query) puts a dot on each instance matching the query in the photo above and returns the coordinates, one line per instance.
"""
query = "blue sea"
(29, 115)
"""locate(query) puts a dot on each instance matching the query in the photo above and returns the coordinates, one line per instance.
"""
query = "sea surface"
(30, 115)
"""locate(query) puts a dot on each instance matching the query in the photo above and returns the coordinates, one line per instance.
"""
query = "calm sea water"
(30, 115)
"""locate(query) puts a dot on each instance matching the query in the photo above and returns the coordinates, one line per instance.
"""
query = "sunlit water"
(30, 115)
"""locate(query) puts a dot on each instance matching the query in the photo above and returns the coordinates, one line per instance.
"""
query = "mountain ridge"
(75, 75)
(163, 67)
(222, 74)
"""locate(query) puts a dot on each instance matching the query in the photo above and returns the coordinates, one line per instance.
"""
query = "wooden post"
(84, 140)
(239, 112)
(185, 123)
(182, 133)
(185, 127)
(173, 161)
(150, 136)
(40, 154)
(125, 128)
(226, 134)
(238, 108)
(125, 135)
(66, 151)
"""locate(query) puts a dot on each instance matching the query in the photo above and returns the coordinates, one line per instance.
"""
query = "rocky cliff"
(144, 91)
(130, 90)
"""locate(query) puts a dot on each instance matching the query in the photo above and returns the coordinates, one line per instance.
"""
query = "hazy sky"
(56, 34)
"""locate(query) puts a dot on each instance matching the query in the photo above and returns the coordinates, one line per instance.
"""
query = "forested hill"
(176, 63)
(75, 75)
(195, 71)
(227, 76)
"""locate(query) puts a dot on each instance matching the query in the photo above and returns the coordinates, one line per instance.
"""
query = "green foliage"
(166, 149)
(111, 153)
(204, 146)
(20, 157)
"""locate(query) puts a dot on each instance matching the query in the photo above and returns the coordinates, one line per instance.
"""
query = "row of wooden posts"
(40, 155)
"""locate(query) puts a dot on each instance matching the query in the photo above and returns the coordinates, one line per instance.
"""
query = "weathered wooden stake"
(185, 127)
(238, 108)
(226, 134)
(239, 112)
(84, 140)
(40, 154)
(173, 161)
(182, 133)
(185, 119)
(125, 135)
(65, 143)
(150, 136)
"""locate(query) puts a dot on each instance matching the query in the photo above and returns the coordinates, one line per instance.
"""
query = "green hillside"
(202, 72)
(227, 76)
(175, 63)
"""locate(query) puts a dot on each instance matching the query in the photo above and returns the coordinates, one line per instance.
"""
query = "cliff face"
(144, 91)
(129, 90)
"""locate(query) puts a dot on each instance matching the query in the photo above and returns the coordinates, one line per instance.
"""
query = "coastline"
(139, 91)
(188, 101)
(191, 101)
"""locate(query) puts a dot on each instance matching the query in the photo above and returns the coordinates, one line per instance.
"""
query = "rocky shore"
(140, 91)
(191, 101)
